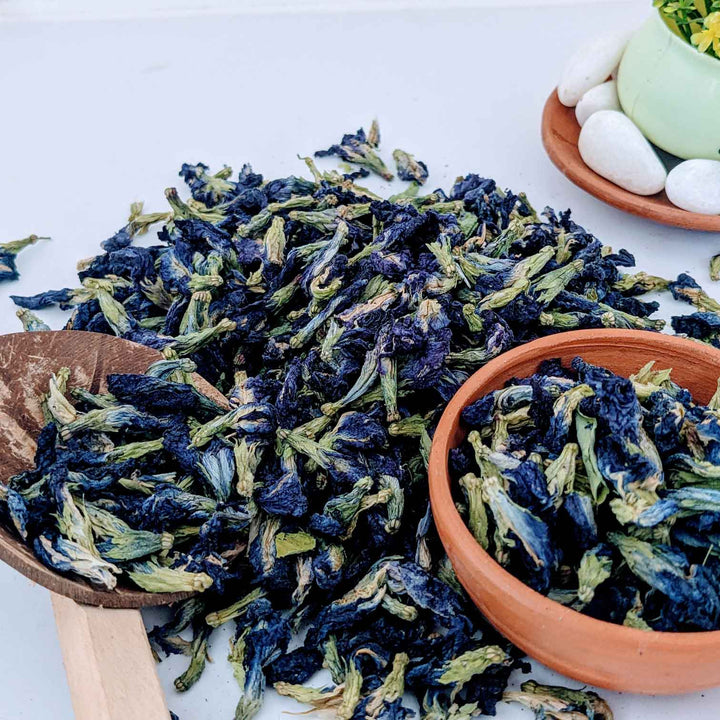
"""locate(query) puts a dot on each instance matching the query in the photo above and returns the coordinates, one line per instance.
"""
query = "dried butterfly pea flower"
(284, 494)
(342, 700)
(359, 149)
(351, 607)
(56, 406)
(69, 557)
(217, 465)
(31, 322)
(579, 513)
(120, 542)
(654, 457)
(8, 253)
(633, 617)
(171, 504)
(408, 168)
(73, 521)
(111, 419)
(513, 520)
(686, 500)
(329, 566)
(183, 615)
(349, 321)
(293, 543)
(220, 617)
(198, 657)
(640, 283)
(715, 268)
(595, 567)
(703, 326)
(157, 394)
(585, 430)
(685, 288)
(460, 670)
(560, 473)
(384, 701)
(252, 419)
(477, 520)
(667, 570)
(434, 710)
(45, 299)
(153, 577)
(18, 511)
(548, 701)
(266, 638)
(133, 451)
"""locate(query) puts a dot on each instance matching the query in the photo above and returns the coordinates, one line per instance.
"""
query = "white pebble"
(613, 146)
(591, 65)
(694, 185)
(601, 97)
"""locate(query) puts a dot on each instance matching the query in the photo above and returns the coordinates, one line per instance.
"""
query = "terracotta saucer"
(560, 132)
(578, 646)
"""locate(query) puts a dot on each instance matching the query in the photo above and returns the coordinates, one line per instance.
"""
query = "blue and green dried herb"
(9, 252)
(607, 500)
(338, 324)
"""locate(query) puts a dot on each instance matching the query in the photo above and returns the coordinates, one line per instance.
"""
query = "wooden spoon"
(110, 668)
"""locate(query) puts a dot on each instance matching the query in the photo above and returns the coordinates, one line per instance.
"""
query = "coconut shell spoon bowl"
(107, 657)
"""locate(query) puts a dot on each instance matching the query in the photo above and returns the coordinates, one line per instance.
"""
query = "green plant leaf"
(674, 27)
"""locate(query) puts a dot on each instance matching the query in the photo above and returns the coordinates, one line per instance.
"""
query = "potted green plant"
(669, 78)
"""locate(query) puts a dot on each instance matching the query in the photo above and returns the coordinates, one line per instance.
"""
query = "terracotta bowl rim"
(445, 514)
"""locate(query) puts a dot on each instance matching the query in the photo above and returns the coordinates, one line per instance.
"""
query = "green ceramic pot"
(671, 91)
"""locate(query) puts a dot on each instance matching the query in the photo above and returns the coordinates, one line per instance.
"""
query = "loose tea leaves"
(410, 169)
(360, 149)
(549, 701)
(338, 324)
(9, 252)
(600, 492)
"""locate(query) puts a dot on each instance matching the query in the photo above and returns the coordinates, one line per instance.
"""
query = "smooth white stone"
(694, 185)
(601, 97)
(613, 146)
(591, 65)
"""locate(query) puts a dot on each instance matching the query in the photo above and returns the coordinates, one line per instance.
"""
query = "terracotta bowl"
(592, 651)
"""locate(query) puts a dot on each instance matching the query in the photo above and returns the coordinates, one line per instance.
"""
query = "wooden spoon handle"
(110, 668)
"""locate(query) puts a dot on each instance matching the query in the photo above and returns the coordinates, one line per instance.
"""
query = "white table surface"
(62, 10)
(97, 114)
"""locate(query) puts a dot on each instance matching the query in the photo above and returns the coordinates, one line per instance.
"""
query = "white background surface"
(103, 9)
(97, 114)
